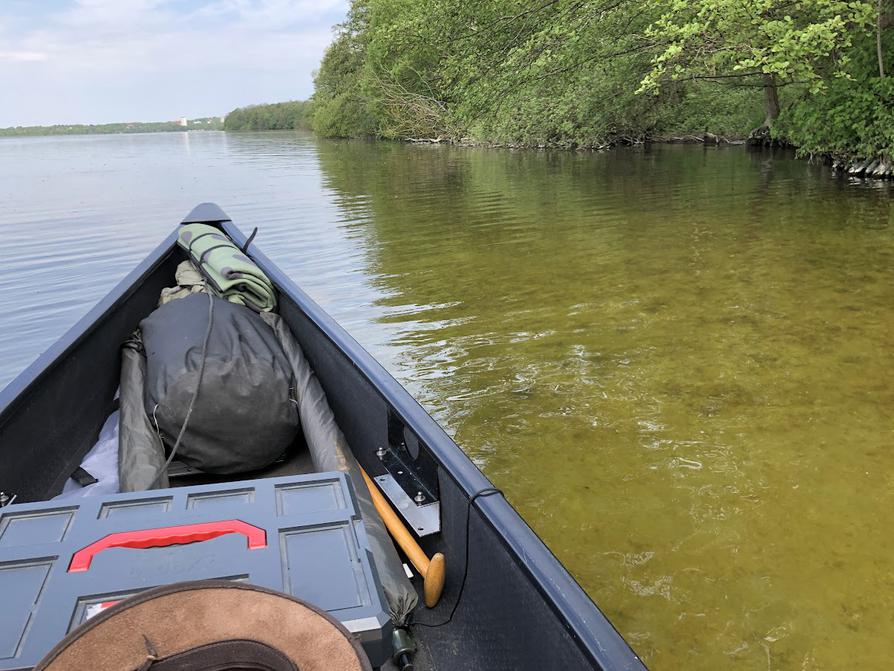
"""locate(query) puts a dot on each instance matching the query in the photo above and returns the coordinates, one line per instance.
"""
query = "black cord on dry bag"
(195, 393)
(489, 491)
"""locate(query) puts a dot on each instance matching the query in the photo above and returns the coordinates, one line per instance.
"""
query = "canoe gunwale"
(585, 621)
(32, 396)
(18, 389)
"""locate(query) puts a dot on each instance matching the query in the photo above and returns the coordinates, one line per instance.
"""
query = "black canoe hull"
(520, 608)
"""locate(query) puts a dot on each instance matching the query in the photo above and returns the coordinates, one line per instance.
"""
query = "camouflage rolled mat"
(230, 273)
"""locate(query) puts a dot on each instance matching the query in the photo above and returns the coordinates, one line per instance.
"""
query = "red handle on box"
(164, 536)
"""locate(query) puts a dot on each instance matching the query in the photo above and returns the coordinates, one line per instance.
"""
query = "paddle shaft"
(432, 570)
(397, 529)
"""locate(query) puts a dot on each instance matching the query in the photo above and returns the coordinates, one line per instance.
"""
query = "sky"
(104, 61)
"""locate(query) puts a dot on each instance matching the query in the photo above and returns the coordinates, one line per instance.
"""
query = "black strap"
(201, 260)
(231, 655)
(244, 248)
(198, 237)
(82, 477)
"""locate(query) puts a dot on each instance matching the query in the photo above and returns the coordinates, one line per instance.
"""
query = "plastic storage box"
(60, 564)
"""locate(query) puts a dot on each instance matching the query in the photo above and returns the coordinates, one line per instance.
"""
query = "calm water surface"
(676, 363)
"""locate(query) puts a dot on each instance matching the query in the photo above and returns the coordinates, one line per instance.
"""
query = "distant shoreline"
(203, 123)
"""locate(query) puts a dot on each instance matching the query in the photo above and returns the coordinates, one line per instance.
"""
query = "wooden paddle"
(433, 571)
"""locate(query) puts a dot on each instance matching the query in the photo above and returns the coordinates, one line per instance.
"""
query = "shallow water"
(677, 362)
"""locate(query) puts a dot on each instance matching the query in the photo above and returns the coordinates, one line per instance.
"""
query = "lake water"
(677, 363)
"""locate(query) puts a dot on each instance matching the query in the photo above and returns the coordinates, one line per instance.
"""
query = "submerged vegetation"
(292, 115)
(590, 73)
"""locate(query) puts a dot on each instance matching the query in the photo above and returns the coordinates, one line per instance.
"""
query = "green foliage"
(702, 106)
(291, 115)
(340, 105)
(788, 41)
(204, 123)
(553, 73)
(588, 73)
(854, 117)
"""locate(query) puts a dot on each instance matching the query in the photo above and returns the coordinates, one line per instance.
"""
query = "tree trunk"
(886, 15)
(771, 100)
(878, 41)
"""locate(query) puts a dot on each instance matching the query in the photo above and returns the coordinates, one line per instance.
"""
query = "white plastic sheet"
(101, 462)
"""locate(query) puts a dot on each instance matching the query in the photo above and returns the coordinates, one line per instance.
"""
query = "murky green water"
(676, 363)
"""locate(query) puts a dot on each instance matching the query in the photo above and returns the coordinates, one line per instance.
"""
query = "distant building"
(183, 121)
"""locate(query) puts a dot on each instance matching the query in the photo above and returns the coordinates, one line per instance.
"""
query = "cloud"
(119, 60)
(23, 56)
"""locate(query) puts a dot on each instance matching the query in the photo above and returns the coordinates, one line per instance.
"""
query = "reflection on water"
(676, 362)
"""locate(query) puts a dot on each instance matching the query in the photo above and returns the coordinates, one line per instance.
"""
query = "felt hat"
(208, 625)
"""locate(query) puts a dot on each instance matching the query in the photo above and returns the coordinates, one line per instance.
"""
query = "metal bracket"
(425, 518)
(411, 479)
(407, 476)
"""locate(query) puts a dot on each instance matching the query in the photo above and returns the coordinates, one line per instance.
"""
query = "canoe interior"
(520, 609)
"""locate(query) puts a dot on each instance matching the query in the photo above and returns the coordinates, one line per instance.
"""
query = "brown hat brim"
(189, 622)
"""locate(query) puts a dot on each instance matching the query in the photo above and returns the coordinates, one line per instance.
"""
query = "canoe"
(508, 602)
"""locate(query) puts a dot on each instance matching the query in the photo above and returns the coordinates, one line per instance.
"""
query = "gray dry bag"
(244, 416)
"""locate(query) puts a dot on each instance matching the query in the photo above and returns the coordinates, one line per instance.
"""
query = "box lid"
(62, 563)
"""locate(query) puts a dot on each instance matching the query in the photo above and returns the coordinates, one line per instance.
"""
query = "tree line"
(590, 73)
(204, 123)
(292, 115)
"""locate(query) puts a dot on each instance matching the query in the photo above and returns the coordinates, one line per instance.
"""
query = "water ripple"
(674, 361)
